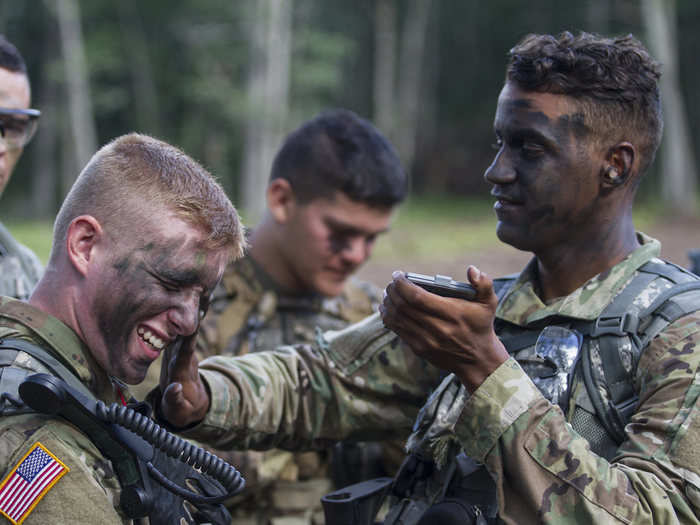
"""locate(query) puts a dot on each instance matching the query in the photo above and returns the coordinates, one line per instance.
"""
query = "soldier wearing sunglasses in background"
(20, 268)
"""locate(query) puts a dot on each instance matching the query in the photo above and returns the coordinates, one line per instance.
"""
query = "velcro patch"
(28, 482)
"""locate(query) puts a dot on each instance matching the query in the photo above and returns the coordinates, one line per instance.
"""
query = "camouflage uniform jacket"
(545, 471)
(249, 313)
(362, 381)
(89, 491)
(20, 268)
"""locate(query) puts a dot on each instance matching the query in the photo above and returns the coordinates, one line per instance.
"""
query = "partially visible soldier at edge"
(139, 244)
(576, 384)
(333, 187)
(20, 268)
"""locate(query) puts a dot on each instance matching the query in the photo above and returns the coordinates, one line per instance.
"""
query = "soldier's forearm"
(360, 383)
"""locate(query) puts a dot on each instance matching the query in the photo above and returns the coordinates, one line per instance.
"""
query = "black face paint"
(122, 266)
(575, 124)
(542, 175)
(145, 284)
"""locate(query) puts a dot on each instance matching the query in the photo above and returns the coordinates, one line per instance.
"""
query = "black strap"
(617, 321)
(59, 369)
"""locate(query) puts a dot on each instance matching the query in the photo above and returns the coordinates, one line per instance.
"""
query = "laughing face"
(545, 174)
(148, 296)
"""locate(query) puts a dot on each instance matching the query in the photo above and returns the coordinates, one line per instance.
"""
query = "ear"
(83, 236)
(619, 165)
(281, 200)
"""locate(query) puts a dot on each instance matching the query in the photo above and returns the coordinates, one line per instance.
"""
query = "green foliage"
(178, 69)
(450, 226)
(36, 235)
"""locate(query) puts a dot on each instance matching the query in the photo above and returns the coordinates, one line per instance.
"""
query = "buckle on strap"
(626, 324)
(357, 504)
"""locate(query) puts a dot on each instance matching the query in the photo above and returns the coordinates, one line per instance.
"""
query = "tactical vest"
(152, 465)
(606, 363)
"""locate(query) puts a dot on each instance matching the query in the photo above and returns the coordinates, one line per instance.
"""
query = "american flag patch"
(28, 482)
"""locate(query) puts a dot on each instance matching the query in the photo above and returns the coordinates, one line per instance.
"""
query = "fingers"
(406, 296)
(174, 406)
(184, 400)
(182, 405)
(483, 285)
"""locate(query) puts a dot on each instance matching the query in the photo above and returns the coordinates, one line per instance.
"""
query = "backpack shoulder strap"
(619, 320)
(11, 378)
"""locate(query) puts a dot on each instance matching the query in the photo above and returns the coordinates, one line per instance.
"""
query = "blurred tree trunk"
(384, 66)
(144, 89)
(77, 82)
(45, 197)
(44, 194)
(413, 42)
(397, 90)
(678, 177)
(268, 93)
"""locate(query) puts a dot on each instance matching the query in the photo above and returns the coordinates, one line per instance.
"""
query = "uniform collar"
(64, 344)
(521, 304)
(285, 299)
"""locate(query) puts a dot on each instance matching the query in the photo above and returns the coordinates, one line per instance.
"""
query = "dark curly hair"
(614, 81)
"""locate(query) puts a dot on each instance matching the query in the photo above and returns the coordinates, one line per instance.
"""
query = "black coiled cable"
(178, 448)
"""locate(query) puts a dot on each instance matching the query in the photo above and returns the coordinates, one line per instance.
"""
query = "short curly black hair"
(614, 80)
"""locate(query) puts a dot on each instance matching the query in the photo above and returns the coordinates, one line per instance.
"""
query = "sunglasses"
(17, 126)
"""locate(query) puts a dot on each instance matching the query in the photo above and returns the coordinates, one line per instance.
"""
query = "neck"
(564, 269)
(54, 296)
(265, 251)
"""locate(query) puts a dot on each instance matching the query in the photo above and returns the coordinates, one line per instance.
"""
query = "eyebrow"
(514, 130)
(186, 277)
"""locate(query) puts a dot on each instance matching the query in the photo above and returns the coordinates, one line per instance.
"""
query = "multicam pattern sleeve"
(546, 473)
(357, 383)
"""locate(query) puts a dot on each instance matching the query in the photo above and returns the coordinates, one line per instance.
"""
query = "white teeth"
(151, 339)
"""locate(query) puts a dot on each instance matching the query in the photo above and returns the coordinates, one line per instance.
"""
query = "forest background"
(227, 80)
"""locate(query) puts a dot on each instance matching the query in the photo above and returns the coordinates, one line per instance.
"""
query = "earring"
(613, 176)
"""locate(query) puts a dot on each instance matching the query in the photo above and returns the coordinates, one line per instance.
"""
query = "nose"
(356, 251)
(185, 315)
(501, 170)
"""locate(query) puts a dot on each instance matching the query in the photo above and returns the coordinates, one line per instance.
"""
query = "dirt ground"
(678, 235)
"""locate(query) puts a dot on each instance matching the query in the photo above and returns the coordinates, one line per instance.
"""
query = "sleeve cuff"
(503, 397)
(219, 418)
